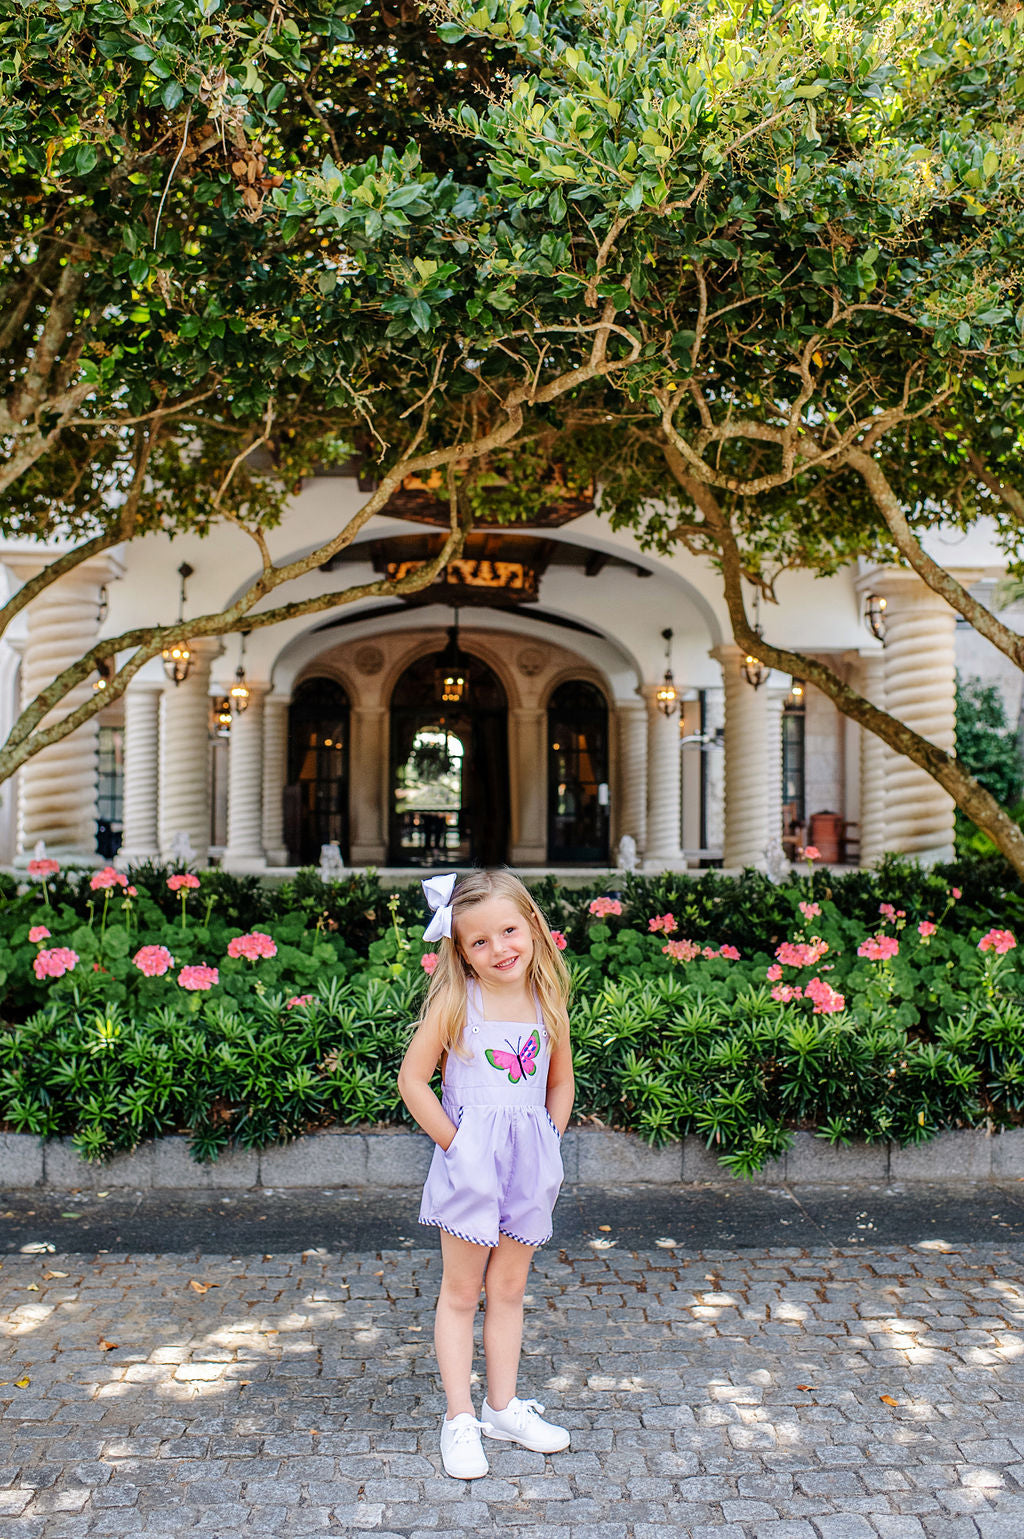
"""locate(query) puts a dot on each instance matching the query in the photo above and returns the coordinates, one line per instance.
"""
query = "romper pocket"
(451, 1146)
(552, 1125)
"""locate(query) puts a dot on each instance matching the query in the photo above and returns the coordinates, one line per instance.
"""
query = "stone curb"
(591, 1156)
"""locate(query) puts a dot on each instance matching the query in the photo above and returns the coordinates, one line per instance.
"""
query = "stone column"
(185, 755)
(870, 682)
(920, 691)
(753, 766)
(244, 849)
(631, 817)
(57, 786)
(714, 769)
(275, 773)
(528, 759)
(140, 840)
(662, 850)
(368, 768)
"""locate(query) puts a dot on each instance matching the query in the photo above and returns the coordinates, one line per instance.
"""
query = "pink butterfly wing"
(528, 1054)
(508, 1062)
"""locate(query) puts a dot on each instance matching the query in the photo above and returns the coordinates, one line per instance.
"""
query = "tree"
(167, 320)
(807, 222)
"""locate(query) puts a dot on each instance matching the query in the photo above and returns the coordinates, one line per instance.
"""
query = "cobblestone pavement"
(787, 1393)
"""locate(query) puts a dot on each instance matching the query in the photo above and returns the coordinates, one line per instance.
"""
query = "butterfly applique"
(520, 1061)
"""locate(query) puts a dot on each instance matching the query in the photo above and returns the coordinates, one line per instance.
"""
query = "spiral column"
(185, 756)
(714, 769)
(140, 840)
(753, 766)
(632, 735)
(244, 849)
(874, 757)
(58, 785)
(662, 849)
(920, 691)
(275, 773)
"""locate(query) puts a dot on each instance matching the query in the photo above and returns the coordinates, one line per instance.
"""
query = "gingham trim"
(533, 1244)
(471, 1238)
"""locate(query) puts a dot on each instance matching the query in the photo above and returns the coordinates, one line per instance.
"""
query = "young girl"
(496, 1015)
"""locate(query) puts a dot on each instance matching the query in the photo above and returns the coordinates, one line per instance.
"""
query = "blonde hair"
(547, 973)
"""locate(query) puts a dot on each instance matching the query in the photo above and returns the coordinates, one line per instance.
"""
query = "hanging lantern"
(667, 695)
(240, 689)
(795, 698)
(754, 670)
(874, 615)
(451, 676)
(177, 659)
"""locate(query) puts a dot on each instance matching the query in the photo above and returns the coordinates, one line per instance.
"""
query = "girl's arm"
(561, 1084)
(418, 1065)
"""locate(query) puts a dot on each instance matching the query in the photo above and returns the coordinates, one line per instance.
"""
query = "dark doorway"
(449, 802)
(316, 796)
(577, 775)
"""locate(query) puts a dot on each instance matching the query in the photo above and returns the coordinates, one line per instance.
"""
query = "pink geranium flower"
(252, 946)
(182, 879)
(681, 950)
(774, 973)
(1000, 941)
(811, 852)
(198, 978)
(663, 922)
(801, 953)
(879, 948)
(926, 928)
(133, 892)
(38, 932)
(429, 961)
(43, 867)
(827, 1000)
(602, 907)
(559, 939)
(956, 892)
(154, 961)
(54, 963)
(784, 992)
(729, 952)
(810, 910)
(101, 881)
(298, 999)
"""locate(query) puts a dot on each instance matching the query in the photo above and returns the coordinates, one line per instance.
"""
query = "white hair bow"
(438, 891)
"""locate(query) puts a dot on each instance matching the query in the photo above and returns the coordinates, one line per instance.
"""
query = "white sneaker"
(520, 1422)
(462, 1452)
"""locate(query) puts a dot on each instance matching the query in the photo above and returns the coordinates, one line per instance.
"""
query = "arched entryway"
(449, 785)
(316, 796)
(578, 799)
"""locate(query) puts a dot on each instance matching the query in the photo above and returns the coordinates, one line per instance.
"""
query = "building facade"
(510, 712)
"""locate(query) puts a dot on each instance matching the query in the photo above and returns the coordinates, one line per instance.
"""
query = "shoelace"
(467, 1431)
(526, 1407)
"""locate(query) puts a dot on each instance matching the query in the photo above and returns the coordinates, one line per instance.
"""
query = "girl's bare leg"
(457, 1303)
(505, 1281)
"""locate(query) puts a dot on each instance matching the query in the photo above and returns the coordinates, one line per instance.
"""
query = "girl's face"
(496, 941)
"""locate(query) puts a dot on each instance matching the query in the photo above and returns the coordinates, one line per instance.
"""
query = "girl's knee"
(459, 1293)
(505, 1287)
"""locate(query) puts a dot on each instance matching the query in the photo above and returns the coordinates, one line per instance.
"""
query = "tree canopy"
(771, 251)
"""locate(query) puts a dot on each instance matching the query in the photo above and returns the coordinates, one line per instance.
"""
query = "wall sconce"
(222, 716)
(874, 615)
(177, 660)
(797, 695)
(240, 689)
(667, 695)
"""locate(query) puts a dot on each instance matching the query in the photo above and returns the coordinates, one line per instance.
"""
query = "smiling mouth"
(502, 966)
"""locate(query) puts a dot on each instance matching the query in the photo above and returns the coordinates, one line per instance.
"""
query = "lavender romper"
(501, 1172)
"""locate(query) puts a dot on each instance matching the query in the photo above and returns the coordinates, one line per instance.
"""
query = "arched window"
(316, 796)
(578, 799)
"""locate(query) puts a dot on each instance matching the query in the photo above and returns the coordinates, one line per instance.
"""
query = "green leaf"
(171, 95)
